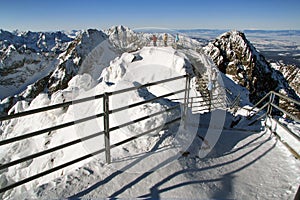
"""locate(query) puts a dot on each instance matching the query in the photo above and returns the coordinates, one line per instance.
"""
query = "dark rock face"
(236, 56)
(291, 74)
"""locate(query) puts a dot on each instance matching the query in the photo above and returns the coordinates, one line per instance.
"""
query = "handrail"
(76, 101)
(260, 109)
(146, 85)
(286, 98)
(268, 114)
(143, 102)
(287, 129)
(287, 113)
(260, 101)
(143, 118)
(105, 132)
(271, 104)
(44, 173)
(236, 101)
(53, 128)
(51, 107)
(15, 162)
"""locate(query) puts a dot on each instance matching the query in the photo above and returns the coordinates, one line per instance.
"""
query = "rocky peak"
(237, 57)
(125, 39)
(71, 60)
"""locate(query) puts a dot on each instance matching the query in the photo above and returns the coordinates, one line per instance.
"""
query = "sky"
(53, 15)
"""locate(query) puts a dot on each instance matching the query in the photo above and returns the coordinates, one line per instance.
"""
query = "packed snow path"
(242, 165)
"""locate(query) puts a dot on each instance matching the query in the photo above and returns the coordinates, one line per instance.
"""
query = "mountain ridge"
(66, 56)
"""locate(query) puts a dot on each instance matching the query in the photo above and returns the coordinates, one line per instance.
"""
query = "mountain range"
(35, 62)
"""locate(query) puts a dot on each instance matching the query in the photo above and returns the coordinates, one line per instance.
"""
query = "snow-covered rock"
(24, 75)
(291, 74)
(236, 57)
(26, 57)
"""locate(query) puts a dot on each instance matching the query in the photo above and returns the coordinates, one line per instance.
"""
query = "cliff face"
(237, 57)
(291, 74)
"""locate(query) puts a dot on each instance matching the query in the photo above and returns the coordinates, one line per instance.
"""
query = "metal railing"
(266, 111)
(106, 132)
(215, 101)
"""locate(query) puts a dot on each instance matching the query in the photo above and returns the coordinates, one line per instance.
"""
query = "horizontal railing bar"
(255, 113)
(200, 101)
(76, 101)
(287, 98)
(217, 103)
(146, 85)
(235, 102)
(147, 132)
(143, 118)
(79, 159)
(143, 102)
(43, 109)
(251, 123)
(15, 162)
(39, 132)
(176, 99)
(285, 112)
(287, 129)
(201, 110)
(198, 97)
(44, 173)
(264, 98)
(200, 106)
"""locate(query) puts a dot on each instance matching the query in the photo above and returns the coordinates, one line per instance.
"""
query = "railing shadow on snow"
(254, 150)
(226, 179)
(274, 115)
(155, 190)
(228, 138)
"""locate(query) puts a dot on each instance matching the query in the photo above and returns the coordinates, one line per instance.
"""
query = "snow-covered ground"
(206, 159)
(242, 165)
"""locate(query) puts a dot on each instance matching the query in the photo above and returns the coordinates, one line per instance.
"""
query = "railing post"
(269, 110)
(106, 127)
(192, 98)
(186, 99)
(271, 99)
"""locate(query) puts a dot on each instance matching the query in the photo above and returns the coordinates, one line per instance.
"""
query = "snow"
(207, 159)
(27, 57)
(284, 135)
(241, 166)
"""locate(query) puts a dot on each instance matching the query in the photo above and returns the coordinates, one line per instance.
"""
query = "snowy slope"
(26, 57)
(51, 71)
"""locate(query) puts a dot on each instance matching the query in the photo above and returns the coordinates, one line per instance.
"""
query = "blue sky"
(48, 15)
